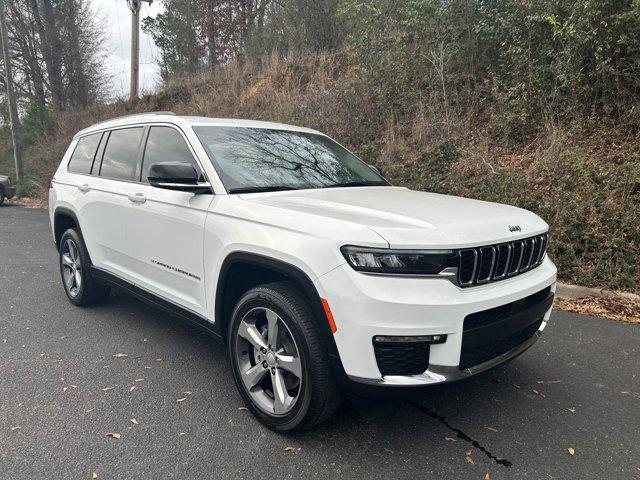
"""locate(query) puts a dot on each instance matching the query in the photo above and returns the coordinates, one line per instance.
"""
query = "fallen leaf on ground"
(120, 355)
(132, 388)
(182, 434)
(548, 382)
(616, 308)
(138, 379)
(13, 429)
(64, 389)
(538, 393)
(388, 450)
(571, 409)
(469, 458)
(487, 477)
(242, 408)
(94, 476)
(106, 389)
(289, 449)
(135, 422)
(625, 392)
(491, 429)
(147, 367)
(117, 436)
(449, 439)
(181, 399)
(187, 392)
(571, 451)
(89, 410)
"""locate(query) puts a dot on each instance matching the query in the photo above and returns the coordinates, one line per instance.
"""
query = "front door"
(165, 228)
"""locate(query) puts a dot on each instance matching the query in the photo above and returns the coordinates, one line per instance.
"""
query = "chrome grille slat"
(485, 264)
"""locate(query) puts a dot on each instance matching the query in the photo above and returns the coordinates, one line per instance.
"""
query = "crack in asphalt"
(461, 435)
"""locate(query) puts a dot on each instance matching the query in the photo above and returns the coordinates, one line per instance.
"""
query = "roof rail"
(135, 115)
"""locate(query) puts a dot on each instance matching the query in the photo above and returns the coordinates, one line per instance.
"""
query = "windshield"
(257, 159)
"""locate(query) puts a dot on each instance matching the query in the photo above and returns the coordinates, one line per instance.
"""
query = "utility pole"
(14, 120)
(134, 6)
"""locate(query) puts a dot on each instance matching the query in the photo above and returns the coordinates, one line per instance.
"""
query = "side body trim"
(186, 315)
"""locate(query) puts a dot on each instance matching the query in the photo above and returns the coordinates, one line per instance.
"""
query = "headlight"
(399, 262)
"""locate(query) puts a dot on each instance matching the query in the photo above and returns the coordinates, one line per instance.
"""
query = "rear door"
(165, 229)
(106, 205)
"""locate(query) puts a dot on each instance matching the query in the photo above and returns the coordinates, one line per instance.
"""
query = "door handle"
(84, 188)
(137, 198)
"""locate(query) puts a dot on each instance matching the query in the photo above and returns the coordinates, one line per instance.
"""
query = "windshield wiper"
(357, 184)
(257, 189)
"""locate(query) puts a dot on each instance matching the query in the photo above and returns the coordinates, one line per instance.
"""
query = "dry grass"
(615, 308)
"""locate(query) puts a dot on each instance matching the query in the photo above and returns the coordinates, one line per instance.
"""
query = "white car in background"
(319, 275)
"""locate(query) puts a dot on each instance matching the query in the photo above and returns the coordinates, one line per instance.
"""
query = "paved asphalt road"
(62, 386)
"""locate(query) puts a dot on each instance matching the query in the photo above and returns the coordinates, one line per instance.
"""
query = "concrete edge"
(570, 292)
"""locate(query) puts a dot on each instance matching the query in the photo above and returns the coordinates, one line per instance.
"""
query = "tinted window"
(263, 158)
(165, 144)
(82, 157)
(121, 154)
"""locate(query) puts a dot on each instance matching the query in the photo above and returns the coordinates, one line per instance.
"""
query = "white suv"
(318, 274)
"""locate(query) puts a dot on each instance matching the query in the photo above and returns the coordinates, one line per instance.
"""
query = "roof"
(180, 120)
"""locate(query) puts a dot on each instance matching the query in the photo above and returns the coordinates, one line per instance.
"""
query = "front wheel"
(280, 365)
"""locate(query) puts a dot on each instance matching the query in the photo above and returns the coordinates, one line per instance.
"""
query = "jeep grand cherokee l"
(319, 275)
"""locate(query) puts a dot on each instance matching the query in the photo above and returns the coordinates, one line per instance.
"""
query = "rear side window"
(120, 157)
(82, 157)
(165, 144)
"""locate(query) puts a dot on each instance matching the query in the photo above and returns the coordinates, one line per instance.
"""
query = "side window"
(82, 157)
(120, 157)
(165, 144)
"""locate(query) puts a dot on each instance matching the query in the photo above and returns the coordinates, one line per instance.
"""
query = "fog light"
(431, 339)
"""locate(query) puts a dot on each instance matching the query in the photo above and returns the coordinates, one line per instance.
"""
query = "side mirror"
(181, 176)
(375, 169)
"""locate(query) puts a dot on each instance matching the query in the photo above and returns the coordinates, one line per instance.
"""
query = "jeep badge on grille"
(515, 228)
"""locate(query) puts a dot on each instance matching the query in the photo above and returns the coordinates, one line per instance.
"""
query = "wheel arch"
(227, 293)
(63, 219)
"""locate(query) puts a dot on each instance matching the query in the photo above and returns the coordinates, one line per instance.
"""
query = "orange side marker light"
(330, 319)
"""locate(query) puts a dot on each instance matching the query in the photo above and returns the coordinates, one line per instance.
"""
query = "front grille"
(402, 358)
(481, 265)
(483, 353)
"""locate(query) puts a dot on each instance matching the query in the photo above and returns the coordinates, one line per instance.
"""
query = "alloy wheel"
(268, 360)
(71, 267)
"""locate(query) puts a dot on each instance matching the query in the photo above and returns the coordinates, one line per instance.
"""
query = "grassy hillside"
(583, 179)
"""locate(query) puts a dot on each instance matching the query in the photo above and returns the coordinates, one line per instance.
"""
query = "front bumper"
(365, 306)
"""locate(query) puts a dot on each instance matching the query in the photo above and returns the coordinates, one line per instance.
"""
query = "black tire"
(1, 195)
(318, 396)
(88, 292)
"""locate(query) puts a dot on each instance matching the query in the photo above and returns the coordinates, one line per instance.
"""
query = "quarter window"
(120, 157)
(82, 157)
(165, 144)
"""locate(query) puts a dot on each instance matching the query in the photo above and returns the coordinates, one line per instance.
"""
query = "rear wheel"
(78, 283)
(279, 363)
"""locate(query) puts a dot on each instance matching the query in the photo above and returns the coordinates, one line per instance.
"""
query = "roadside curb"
(571, 292)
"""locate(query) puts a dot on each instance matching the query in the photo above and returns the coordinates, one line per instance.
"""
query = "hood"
(410, 219)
